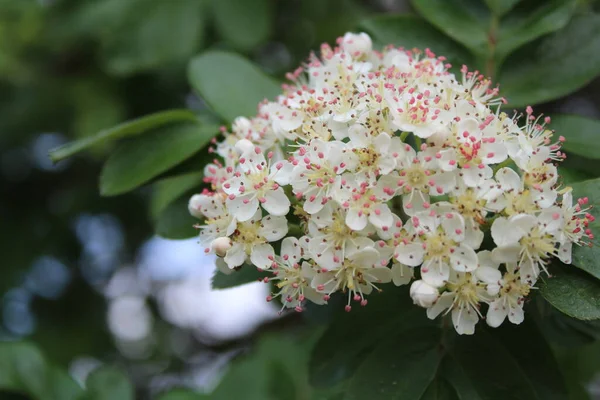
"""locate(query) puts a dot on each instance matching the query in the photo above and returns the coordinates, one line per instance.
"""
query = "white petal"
(516, 315)
(410, 254)
(282, 172)
(464, 320)
(262, 256)
(381, 216)
(315, 205)
(503, 234)
(508, 179)
(435, 274)
(355, 221)
(564, 252)
(443, 303)
(277, 203)
(273, 228)
(496, 313)
(463, 259)
(506, 254)
(235, 256)
(291, 250)
(454, 226)
(242, 212)
(378, 274)
(401, 274)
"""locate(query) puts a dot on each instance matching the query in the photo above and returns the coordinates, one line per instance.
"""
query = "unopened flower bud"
(195, 206)
(221, 246)
(357, 43)
(423, 294)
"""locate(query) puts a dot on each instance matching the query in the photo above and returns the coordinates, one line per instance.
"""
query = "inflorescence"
(376, 167)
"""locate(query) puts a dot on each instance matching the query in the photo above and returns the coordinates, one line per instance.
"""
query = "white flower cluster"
(374, 167)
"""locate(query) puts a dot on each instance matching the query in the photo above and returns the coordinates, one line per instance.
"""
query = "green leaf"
(483, 366)
(409, 32)
(167, 190)
(501, 7)
(534, 357)
(582, 134)
(440, 389)
(130, 128)
(175, 221)
(230, 84)
(572, 175)
(401, 367)
(23, 369)
(108, 383)
(521, 27)
(465, 21)
(553, 67)
(244, 24)
(63, 387)
(246, 274)
(337, 354)
(137, 161)
(561, 329)
(573, 292)
(181, 394)
(166, 32)
(584, 257)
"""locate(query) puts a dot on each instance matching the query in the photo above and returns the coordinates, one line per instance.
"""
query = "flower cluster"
(376, 167)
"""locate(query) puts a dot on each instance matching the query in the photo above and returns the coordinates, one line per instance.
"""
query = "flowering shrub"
(377, 167)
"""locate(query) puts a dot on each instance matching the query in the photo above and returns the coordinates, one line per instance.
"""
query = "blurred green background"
(71, 68)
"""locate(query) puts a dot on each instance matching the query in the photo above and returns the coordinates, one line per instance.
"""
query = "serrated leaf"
(130, 128)
(401, 367)
(573, 292)
(243, 24)
(137, 161)
(246, 274)
(230, 84)
(582, 134)
(586, 257)
(465, 21)
(108, 383)
(167, 190)
(553, 67)
(175, 221)
(409, 32)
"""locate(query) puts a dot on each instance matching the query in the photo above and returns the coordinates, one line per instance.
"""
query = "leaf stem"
(490, 64)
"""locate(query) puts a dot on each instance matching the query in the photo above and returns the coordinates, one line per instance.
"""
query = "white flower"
(442, 236)
(423, 295)
(462, 298)
(253, 237)
(364, 203)
(331, 238)
(218, 223)
(315, 175)
(526, 240)
(511, 299)
(357, 44)
(359, 274)
(256, 182)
